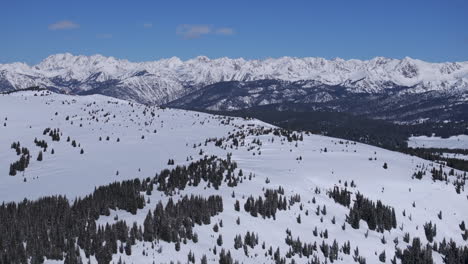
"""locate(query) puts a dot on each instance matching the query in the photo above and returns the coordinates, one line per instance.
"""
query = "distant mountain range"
(406, 90)
(399, 104)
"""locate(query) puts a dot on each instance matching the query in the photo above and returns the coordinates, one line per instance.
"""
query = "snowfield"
(455, 156)
(142, 140)
(453, 142)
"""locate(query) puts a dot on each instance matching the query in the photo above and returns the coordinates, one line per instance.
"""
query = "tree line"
(53, 228)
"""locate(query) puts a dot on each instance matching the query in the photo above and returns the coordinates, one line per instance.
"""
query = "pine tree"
(430, 230)
(128, 248)
(204, 260)
(382, 256)
(12, 170)
(324, 210)
(237, 206)
(237, 242)
(148, 231)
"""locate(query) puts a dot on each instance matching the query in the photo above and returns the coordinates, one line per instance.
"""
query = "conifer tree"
(382, 256)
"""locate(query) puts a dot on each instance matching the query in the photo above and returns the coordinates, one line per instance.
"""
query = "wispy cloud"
(63, 25)
(148, 25)
(188, 31)
(104, 36)
(191, 31)
(225, 31)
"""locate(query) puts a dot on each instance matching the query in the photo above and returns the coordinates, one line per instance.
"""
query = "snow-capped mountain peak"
(167, 79)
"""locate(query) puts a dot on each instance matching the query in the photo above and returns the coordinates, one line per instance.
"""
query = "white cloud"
(225, 31)
(63, 25)
(190, 31)
(148, 25)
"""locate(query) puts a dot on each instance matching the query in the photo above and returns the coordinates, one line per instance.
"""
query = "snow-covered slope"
(142, 140)
(168, 79)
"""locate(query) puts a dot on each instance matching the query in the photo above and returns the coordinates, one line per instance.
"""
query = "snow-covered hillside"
(168, 79)
(116, 140)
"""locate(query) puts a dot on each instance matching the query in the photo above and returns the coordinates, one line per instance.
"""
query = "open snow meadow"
(277, 196)
(453, 142)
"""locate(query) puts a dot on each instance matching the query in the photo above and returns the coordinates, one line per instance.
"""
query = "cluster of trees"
(330, 252)
(377, 215)
(438, 174)
(53, 133)
(297, 247)
(209, 169)
(416, 253)
(238, 138)
(460, 184)
(32, 88)
(430, 230)
(17, 147)
(175, 221)
(452, 254)
(225, 258)
(341, 196)
(250, 240)
(289, 134)
(41, 143)
(268, 206)
(53, 228)
(23, 162)
(293, 199)
(436, 154)
(358, 258)
(124, 195)
(419, 174)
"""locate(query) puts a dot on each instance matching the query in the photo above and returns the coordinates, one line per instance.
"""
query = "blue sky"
(149, 30)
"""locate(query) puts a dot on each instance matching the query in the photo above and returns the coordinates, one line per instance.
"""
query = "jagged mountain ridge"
(162, 81)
